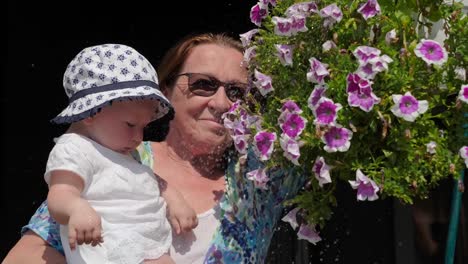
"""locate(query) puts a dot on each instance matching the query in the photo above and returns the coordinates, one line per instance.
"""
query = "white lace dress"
(126, 196)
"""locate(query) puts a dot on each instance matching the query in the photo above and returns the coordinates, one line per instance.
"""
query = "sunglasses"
(205, 85)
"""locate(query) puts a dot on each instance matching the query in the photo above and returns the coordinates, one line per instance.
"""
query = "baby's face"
(120, 125)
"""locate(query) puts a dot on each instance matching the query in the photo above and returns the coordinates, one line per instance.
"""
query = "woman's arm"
(31, 248)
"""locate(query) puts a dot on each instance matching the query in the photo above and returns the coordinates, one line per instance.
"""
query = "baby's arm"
(67, 207)
(181, 216)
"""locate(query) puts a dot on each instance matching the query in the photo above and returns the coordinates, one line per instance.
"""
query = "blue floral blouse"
(248, 214)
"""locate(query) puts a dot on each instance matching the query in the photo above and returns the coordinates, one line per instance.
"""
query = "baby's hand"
(182, 218)
(84, 226)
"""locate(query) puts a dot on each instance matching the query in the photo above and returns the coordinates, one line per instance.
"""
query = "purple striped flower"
(317, 93)
(366, 188)
(331, 14)
(337, 138)
(290, 148)
(318, 71)
(247, 37)
(308, 232)
(285, 54)
(258, 12)
(326, 111)
(293, 125)
(369, 9)
(321, 171)
(263, 144)
(263, 82)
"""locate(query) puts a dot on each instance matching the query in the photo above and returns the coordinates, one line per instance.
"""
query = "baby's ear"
(88, 120)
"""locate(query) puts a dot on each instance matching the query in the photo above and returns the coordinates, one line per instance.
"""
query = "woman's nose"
(219, 101)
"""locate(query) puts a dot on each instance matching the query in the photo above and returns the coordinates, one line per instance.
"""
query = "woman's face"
(198, 119)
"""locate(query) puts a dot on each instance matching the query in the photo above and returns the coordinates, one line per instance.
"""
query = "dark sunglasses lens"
(202, 85)
(235, 92)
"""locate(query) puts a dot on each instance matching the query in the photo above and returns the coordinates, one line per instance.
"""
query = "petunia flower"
(291, 107)
(317, 93)
(247, 36)
(463, 94)
(365, 53)
(293, 124)
(431, 147)
(258, 12)
(366, 188)
(360, 93)
(408, 107)
(298, 24)
(240, 143)
(263, 82)
(318, 71)
(263, 144)
(326, 111)
(369, 9)
(391, 37)
(259, 177)
(337, 138)
(328, 45)
(464, 154)
(321, 171)
(331, 14)
(431, 52)
(290, 148)
(249, 53)
(460, 73)
(303, 8)
(283, 26)
(285, 54)
(307, 232)
(291, 218)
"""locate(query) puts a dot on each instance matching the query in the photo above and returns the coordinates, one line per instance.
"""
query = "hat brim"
(92, 104)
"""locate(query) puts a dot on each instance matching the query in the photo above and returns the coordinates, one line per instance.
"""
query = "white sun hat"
(101, 74)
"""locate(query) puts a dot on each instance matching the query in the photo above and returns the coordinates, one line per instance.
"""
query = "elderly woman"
(202, 76)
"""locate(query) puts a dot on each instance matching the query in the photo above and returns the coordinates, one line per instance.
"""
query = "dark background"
(43, 37)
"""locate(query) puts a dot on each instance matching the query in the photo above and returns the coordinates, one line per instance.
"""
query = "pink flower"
(318, 71)
(263, 82)
(369, 9)
(331, 14)
(321, 171)
(360, 93)
(463, 94)
(308, 233)
(317, 93)
(258, 12)
(290, 148)
(337, 138)
(247, 36)
(293, 125)
(431, 52)
(283, 26)
(291, 218)
(285, 54)
(431, 147)
(408, 107)
(263, 146)
(367, 188)
(326, 111)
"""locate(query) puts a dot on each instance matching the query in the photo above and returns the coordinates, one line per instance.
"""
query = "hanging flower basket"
(355, 91)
